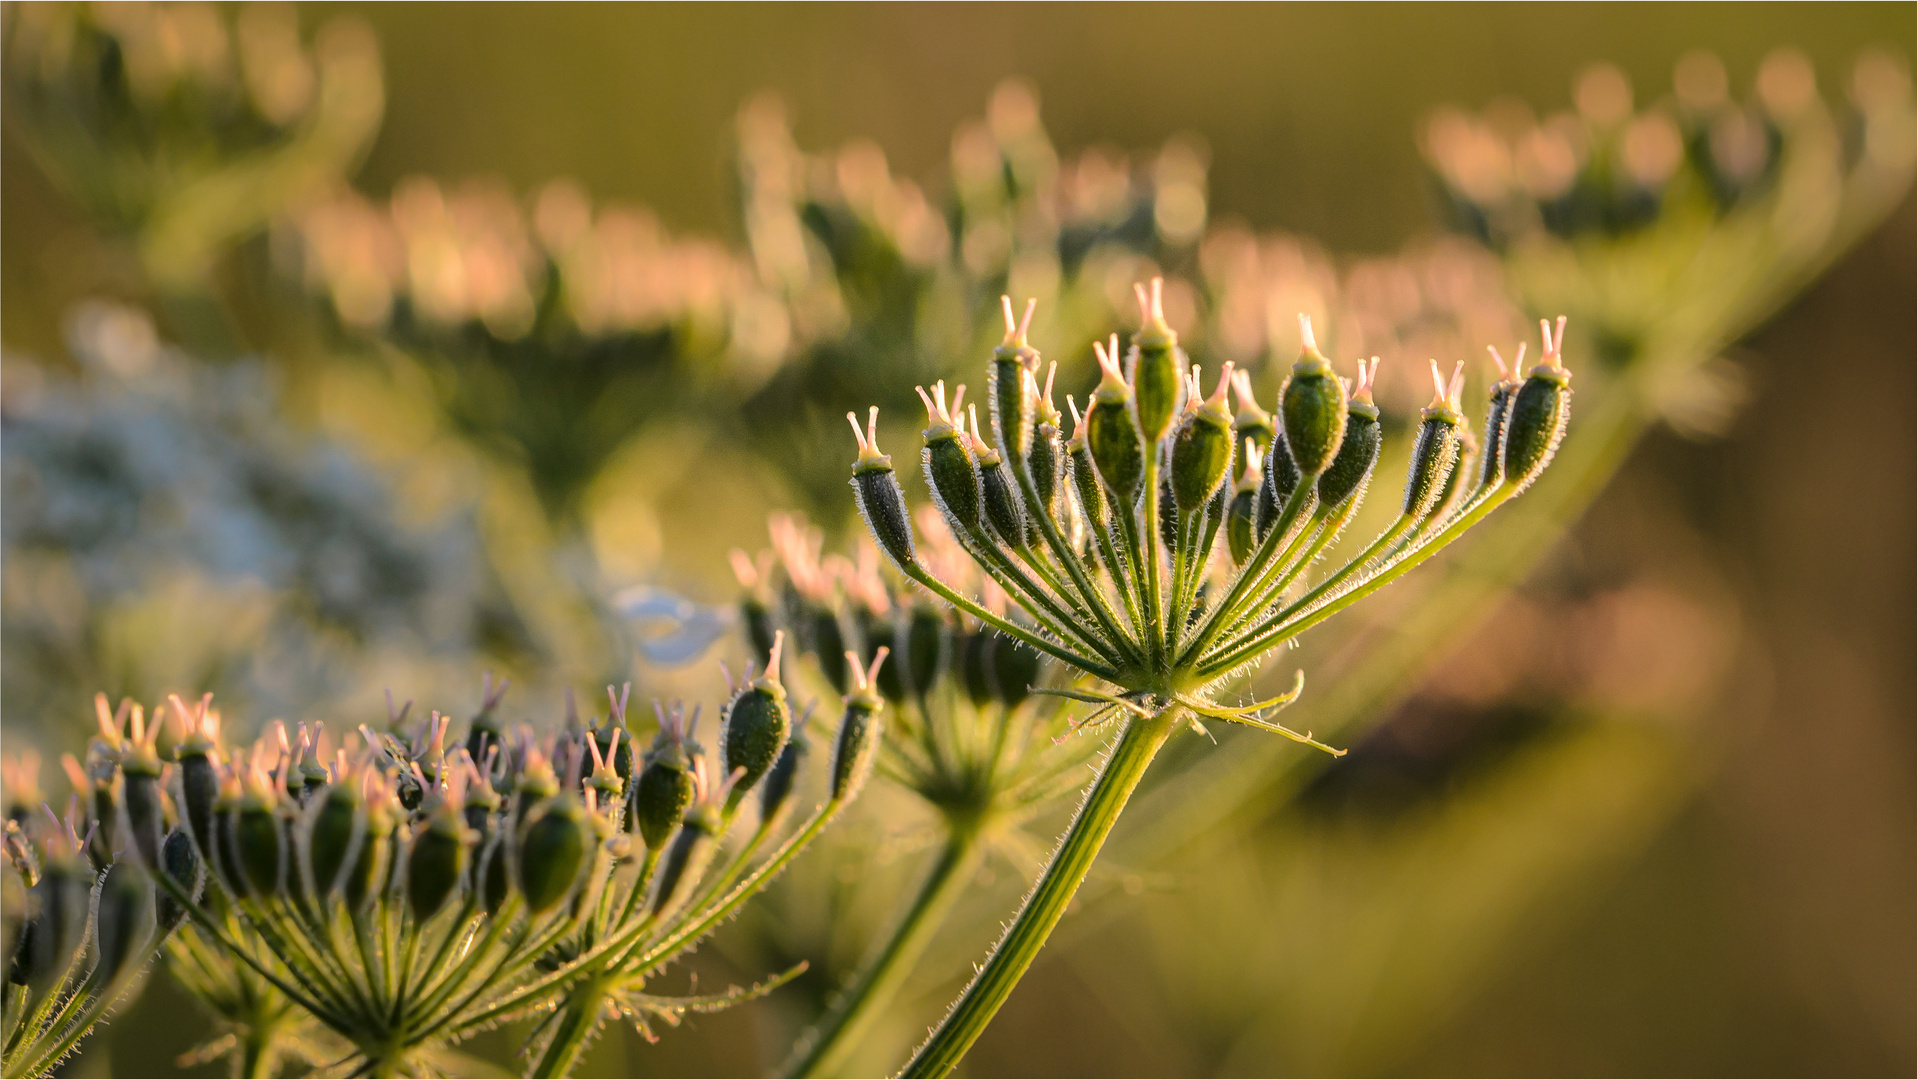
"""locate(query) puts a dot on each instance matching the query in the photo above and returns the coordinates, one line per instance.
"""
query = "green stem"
(842, 1030)
(924, 577)
(1254, 570)
(576, 1027)
(1047, 904)
(258, 1054)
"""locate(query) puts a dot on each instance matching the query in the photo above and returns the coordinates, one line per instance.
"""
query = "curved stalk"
(576, 1025)
(824, 1049)
(952, 596)
(1047, 904)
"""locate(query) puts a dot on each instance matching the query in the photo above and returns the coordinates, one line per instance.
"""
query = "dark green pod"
(258, 847)
(59, 924)
(1241, 525)
(1313, 408)
(338, 828)
(436, 864)
(883, 505)
(124, 920)
(553, 852)
(1157, 374)
(1113, 441)
(369, 875)
(1539, 412)
(1001, 495)
(758, 620)
(660, 801)
(1013, 404)
(975, 666)
(494, 874)
(1352, 464)
(685, 863)
(1085, 483)
(1434, 461)
(858, 746)
(953, 476)
(826, 642)
(1497, 412)
(146, 816)
(758, 723)
(1046, 459)
(1201, 458)
(1015, 667)
(179, 861)
(926, 649)
(776, 793)
(1282, 478)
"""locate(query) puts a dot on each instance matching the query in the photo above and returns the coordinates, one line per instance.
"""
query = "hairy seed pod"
(1241, 525)
(1013, 403)
(437, 863)
(858, 745)
(665, 791)
(146, 816)
(758, 723)
(685, 863)
(124, 920)
(1202, 452)
(1497, 411)
(951, 471)
(257, 846)
(1156, 369)
(493, 872)
(1315, 415)
(59, 925)
(373, 866)
(776, 793)
(338, 829)
(1085, 483)
(1434, 463)
(553, 851)
(1003, 510)
(1113, 439)
(1351, 466)
(179, 861)
(105, 802)
(200, 788)
(1046, 459)
(881, 503)
(1539, 411)
(1282, 478)
(1251, 422)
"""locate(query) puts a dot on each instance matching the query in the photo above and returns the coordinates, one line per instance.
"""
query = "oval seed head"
(1156, 366)
(1085, 475)
(876, 490)
(179, 861)
(1015, 668)
(1012, 402)
(1202, 450)
(1282, 478)
(1358, 452)
(437, 863)
(1435, 453)
(1313, 407)
(1241, 517)
(124, 920)
(372, 867)
(1539, 411)
(859, 733)
(1112, 433)
(758, 723)
(999, 492)
(685, 862)
(257, 840)
(951, 470)
(339, 827)
(665, 790)
(1251, 421)
(59, 900)
(1497, 411)
(553, 852)
(1046, 457)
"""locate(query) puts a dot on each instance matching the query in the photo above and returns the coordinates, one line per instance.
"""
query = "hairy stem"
(1047, 903)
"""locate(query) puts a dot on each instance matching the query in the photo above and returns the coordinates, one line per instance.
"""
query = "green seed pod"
(876, 490)
(1242, 513)
(951, 471)
(884, 630)
(1358, 452)
(1001, 495)
(536, 783)
(200, 790)
(1156, 368)
(257, 847)
(553, 852)
(686, 862)
(775, 795)
(974, 652)
(1539, 412)
(860, 729)
(1202, 451)
(1498, 410)
(441, 851)
(1112, 434)
(1282, 478)
(928, 644)
(179, 861)
(1251, 422)
(146, 816)
(1012, 402)
(1047, 462)
(660, 801)
(758, 723)
(59, 926)
(493, 872)
(825, 641)
(338, 830)
(124, 921)
(1085, 481)
(1435, 452)
(1015, 667)
(1313, 406)
(373, 866)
